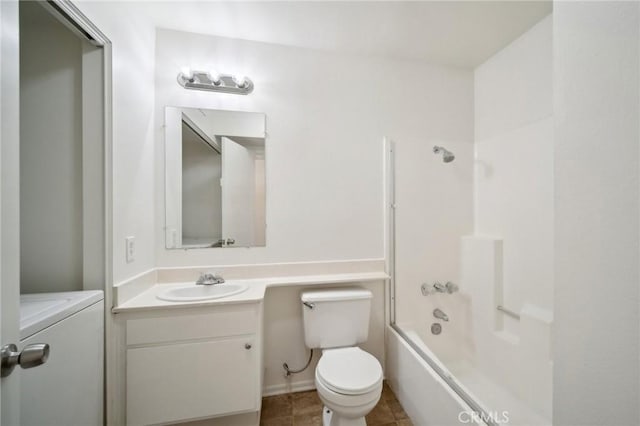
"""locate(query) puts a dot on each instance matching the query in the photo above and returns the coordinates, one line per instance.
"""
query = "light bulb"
(241, 82)
(187, 73)
(215, 78)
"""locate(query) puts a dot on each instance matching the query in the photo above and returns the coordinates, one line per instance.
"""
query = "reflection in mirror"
(214, 178)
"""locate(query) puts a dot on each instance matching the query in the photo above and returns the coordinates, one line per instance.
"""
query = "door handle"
(31, 356)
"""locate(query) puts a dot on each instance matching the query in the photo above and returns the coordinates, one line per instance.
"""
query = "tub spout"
(440, 315)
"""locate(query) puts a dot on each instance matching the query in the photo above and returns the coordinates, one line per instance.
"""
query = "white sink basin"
(193, 293)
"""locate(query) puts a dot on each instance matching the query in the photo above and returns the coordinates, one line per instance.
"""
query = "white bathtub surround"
(474, 347)
(430, 252)
(486, 225)
(499, 353)
(514, 165)
(513, 266)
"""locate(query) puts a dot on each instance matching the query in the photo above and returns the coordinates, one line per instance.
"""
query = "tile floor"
(305, 409)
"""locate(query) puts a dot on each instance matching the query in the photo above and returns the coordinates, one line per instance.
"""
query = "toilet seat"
(349, 371)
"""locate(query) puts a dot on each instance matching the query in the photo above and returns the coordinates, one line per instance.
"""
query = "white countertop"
(147, 300)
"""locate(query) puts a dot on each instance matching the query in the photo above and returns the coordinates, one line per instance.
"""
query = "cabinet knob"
(247, 346)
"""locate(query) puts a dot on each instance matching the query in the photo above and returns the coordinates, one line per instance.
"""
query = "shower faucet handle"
(425, 289)
(438, 287)
(451, 287)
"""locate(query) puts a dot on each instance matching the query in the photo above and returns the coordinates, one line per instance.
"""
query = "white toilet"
(348, 379)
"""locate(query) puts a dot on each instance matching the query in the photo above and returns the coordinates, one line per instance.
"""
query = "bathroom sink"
(194, 293)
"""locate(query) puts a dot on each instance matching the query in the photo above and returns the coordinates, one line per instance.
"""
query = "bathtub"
(425, 396)
(453, 392)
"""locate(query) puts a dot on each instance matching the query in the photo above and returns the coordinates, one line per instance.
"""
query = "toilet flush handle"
(309, 305)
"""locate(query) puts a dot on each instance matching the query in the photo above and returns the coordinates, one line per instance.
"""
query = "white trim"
(101, 40)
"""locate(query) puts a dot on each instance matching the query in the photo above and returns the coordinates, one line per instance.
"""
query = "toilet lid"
(349, 371)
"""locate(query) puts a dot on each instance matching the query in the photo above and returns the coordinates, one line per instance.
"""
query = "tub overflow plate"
(436, 328)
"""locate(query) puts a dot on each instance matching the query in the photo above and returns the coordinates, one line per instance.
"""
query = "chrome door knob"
(31, 356)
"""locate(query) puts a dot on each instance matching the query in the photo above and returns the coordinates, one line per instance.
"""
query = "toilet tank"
(336, 318)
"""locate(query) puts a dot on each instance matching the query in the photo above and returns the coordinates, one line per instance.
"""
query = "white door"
(238, 187)
(9, 204)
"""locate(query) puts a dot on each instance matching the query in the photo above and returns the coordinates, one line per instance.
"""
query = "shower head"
(447, 156)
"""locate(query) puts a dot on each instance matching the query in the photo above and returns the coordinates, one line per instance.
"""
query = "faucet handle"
(203, 278)
(207, 278)
(451, 287)
(426, 289)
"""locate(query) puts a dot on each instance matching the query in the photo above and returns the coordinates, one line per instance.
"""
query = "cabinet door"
(192, 380)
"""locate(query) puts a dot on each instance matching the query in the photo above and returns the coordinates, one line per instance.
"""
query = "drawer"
(225, 320)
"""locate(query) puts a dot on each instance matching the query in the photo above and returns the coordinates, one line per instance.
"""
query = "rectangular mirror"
(214, 178)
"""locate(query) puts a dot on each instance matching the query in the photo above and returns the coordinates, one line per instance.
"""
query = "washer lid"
(41, 310)
(349, 371)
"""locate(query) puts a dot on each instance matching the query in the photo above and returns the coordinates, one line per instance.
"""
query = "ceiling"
(456, 33)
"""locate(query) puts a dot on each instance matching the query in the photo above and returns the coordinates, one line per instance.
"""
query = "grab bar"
(508, 312)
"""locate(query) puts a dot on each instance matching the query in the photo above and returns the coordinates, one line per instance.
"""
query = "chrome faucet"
(210, 279)
(451, 287)
(438, 287)
(440, 315)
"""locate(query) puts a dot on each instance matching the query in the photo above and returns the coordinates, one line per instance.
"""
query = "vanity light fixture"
(213, 82)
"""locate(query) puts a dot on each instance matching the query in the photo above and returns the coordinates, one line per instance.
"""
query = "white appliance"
(68, 389)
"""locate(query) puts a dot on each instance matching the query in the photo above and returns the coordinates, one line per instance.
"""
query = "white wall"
(597, 113)
(132, 37)
(326, 117)
(51, 236)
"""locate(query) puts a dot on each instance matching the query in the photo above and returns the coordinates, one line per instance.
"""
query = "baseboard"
(303, 385)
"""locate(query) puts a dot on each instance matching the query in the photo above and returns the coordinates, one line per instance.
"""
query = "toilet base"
(329, 419)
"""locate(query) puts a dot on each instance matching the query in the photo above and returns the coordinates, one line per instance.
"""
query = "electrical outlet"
(131, 249)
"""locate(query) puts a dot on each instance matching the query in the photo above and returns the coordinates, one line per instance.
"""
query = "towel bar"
(508, 312)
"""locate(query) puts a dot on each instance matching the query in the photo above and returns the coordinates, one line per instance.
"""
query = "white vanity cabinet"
(193, 363)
